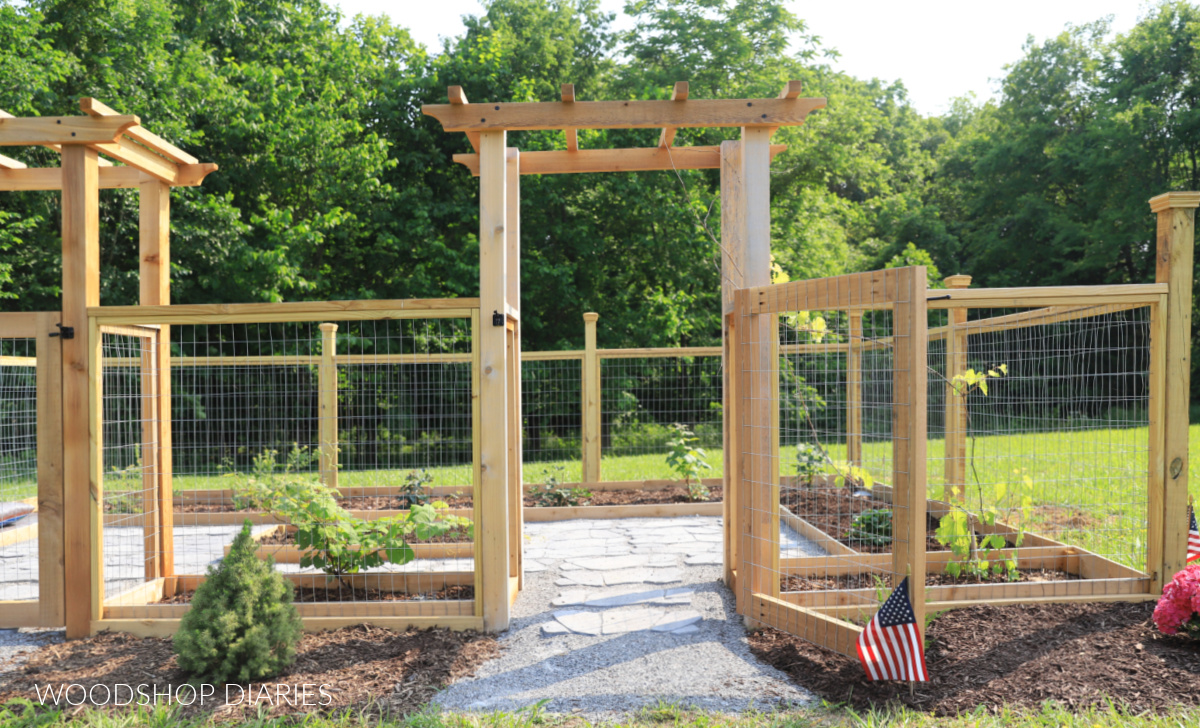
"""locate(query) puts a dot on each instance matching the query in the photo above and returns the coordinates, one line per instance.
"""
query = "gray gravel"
(607, 676)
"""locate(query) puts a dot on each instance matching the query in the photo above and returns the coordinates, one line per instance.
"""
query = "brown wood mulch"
(833, 510)
(341, 593)
(873, 581)
(384, 503)
(362, 667)
(1078, 655)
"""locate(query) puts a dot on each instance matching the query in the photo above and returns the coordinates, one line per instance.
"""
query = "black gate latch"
(497, 318)
(67, 332)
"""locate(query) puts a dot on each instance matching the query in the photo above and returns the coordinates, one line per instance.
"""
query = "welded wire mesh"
(644, 399)
(130, 545)
(18, 467)
(1045, 432)
(551, 408)
(349, 444)
(836, 396)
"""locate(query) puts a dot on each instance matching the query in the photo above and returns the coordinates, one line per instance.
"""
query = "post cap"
(328, 327)
(957, 281)
(1169, 200)
(591, 318)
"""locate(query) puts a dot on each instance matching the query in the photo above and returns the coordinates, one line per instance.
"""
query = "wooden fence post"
(909, 419)
(733, 247)
(492, 532)
(154, 289)
(591, 402)
(854, 402)
(81, 435)
(1175, 242)
(327, 388)
(955, 440)
(50, 472)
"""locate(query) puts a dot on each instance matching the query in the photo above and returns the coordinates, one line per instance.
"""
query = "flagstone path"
(619, 614)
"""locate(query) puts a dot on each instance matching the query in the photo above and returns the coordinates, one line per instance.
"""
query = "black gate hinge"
(67, 332)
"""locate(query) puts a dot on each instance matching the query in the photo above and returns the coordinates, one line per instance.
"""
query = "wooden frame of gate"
(49, 608)
(753, 427)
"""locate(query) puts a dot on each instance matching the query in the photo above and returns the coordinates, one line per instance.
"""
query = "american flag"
(1193, 552)
(890, 647)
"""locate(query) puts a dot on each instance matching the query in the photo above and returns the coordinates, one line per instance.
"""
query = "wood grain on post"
(328, 418)
(591, 401)
(956, 406)
(81, 289)
(1174, 254)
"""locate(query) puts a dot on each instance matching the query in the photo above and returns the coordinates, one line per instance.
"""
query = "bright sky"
(941, 49)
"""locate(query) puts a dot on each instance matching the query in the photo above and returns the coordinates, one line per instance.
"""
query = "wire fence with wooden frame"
(346, 433)
(1005, 445)
(31, 486)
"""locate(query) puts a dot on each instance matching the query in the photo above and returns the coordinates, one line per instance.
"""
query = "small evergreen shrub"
(242, 625)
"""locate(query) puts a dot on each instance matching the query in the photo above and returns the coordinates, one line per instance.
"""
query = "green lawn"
(1088, 488)
(824, 716)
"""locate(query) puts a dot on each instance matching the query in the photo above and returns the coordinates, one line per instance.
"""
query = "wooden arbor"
(152, 166)
(745, 233)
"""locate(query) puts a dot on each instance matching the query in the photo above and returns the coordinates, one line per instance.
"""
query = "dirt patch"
(1078, 655)
(287, 537)
(872, 581)
(640, 497)
(833, 510)
(340, 593)
(363, 667)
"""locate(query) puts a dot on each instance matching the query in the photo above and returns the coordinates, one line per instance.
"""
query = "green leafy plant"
(978, 556)
(416, 488)
(871, 528)
(553, 494)
(810, 462)
(242, 625)
(269, 480)
(689, 461)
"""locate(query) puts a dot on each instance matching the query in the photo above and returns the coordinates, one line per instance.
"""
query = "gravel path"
(641, 616)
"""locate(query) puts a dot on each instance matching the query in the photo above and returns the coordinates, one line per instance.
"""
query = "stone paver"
(628, 612)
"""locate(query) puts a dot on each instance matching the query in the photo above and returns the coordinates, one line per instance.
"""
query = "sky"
(940, 49)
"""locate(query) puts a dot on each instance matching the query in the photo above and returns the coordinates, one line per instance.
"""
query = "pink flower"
(1180, 601)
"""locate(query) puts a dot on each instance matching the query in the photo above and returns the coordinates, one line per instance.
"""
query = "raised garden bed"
(279, 543)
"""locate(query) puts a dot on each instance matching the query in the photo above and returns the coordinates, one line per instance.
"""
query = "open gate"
(31, 475)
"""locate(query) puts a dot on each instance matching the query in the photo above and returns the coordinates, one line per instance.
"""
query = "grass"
(659, 716)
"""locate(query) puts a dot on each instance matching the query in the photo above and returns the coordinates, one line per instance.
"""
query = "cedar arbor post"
(152, 166)
(745, 243)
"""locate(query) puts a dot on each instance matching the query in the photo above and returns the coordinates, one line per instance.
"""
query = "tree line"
(333, 185)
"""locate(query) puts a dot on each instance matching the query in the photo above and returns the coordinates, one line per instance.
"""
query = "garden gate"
(31, 575)
(999, 446)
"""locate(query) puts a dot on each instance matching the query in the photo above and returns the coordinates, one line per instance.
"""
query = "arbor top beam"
(788, 110)
(614, 160)
(118, 136)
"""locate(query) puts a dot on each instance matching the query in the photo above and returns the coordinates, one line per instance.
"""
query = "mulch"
(342, 593)
(874, 581)
(385, 503)
(1078, 655)
(833, 509)
(361, 667)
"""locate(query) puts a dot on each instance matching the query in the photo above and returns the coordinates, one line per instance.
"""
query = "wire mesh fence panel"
(647, 402)
(552, 410)
(18, 470)
(347, 444)
(829, 494)
(1045, 442)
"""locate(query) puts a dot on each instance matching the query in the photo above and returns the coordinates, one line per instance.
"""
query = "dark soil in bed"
(833, 510)
(1079, 655)
(336, 592)
(388, 503)
(868, 581)
(287, 537)
(363, 667)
